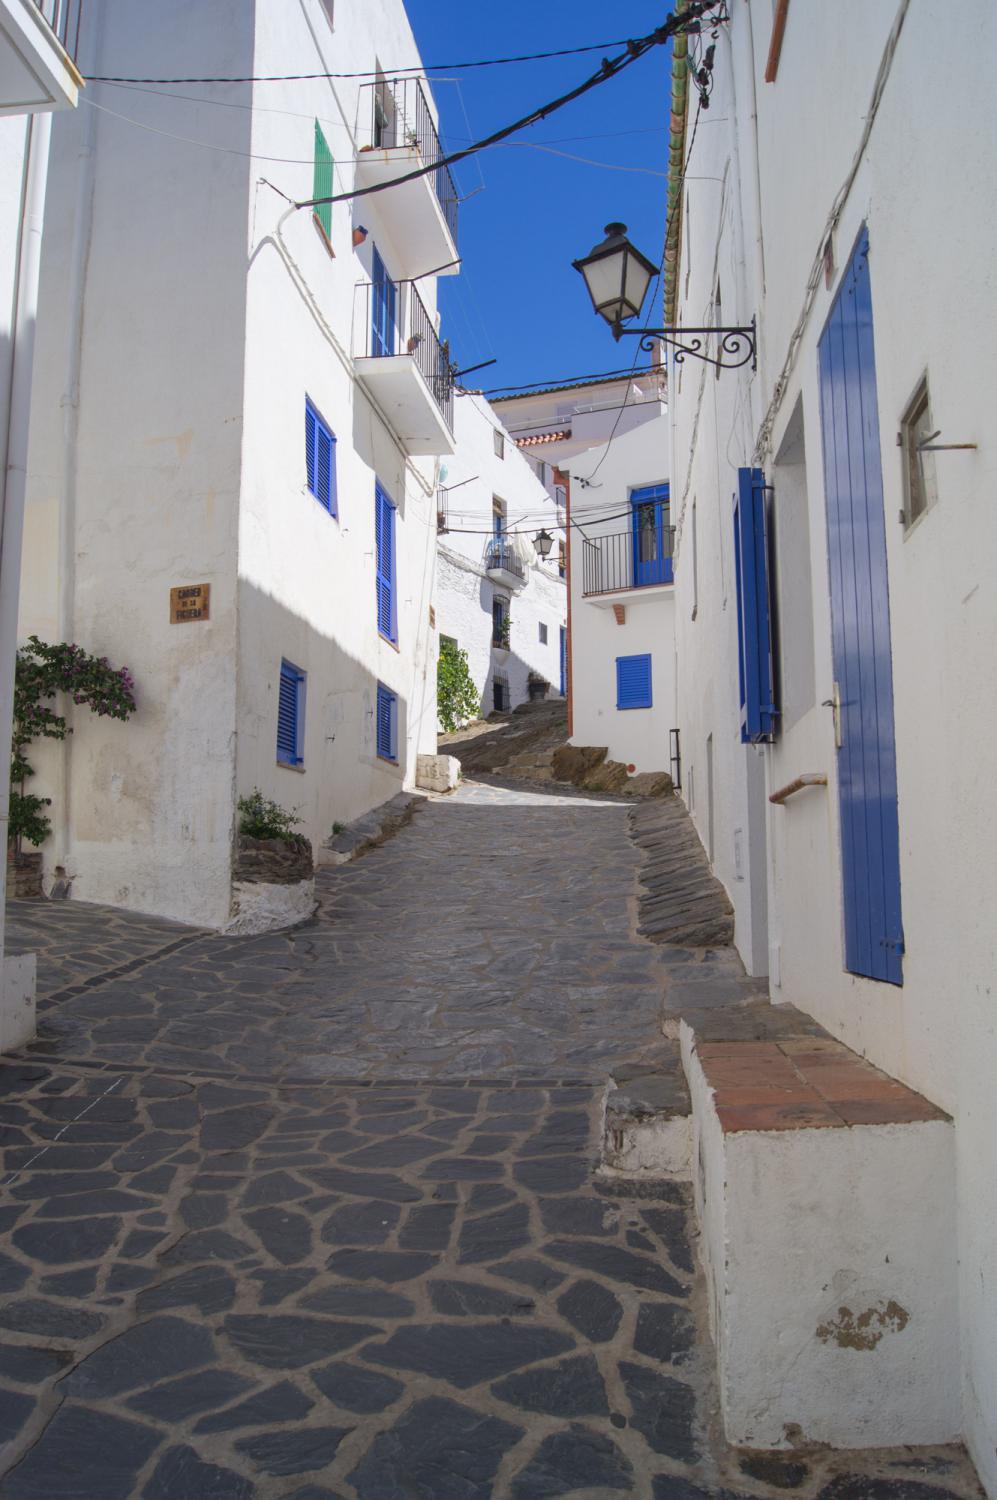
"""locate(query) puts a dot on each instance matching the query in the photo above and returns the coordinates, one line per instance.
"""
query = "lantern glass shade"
(543, 541)
(617, 276)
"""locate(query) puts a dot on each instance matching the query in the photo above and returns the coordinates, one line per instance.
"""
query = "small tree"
(457, 698)
(41, 672)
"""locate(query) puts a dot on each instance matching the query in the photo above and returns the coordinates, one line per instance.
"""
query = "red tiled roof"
(542, 437)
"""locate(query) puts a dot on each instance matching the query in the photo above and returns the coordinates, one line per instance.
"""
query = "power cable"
(487, 62)
(540, 386)
(611, 68)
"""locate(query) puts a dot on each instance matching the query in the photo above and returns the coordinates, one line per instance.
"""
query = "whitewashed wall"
(476, 475)
(931, 210)
(185, 320)
(636, 736)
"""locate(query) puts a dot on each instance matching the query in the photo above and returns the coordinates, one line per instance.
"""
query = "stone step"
(371, 829)
(646, 1128)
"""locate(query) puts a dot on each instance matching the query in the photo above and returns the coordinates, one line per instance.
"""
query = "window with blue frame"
(387, 723)
(384, 537)
(291, 716)
(754, 626)
(633, 681)
(320, 459)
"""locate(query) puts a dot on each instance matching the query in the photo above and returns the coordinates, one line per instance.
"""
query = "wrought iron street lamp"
(543, 541)
(617, 276)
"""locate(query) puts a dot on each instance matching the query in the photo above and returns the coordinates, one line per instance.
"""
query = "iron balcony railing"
(392, 319)
(500, 553)
(394, 112)
(63, 16)
(625, 561)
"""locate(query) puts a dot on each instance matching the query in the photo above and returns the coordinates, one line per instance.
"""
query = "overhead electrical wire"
(687, 19)
(486, 62)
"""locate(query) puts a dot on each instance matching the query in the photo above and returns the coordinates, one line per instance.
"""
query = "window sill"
(388, 760)
(389, 642)
(287, 765)
(332, 514)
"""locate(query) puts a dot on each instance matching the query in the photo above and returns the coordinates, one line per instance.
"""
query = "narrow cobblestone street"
(317, 1214)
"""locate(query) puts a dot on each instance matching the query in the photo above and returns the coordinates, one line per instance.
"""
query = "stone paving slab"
(318, 1215)
(77, 942)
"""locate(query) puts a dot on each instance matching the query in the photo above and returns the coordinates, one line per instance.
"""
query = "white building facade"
(496, 598)
(236, 394)
(856, 456)
(609, 440)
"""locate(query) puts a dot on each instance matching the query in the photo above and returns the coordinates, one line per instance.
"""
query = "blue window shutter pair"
(387, 723)
(754, 628)
(633, 681)
(320, 459)
(384, 537)
(291, 716)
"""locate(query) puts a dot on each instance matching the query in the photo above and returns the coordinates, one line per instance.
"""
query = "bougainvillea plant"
(42, 672)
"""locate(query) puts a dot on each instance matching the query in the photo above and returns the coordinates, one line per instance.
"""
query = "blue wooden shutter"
(290, 725)
(754, 632)
(386, 702)
(310, 425)
(633, 681)
(385, 545)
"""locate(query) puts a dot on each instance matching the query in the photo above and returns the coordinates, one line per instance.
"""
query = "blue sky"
(529, 213)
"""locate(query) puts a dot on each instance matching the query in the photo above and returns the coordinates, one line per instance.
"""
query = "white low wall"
(832, 1271)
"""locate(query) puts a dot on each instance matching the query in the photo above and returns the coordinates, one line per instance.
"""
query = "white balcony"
(399, 359)
(503, 565)
(38, 40)
(398, 135)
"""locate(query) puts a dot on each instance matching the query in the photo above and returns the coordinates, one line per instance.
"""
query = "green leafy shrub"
(457, 698)
(40, 673)
(260, 818)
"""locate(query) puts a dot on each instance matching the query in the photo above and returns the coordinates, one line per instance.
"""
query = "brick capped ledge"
(804, 1083)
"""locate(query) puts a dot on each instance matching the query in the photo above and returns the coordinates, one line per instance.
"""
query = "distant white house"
(609, 440)
(237, 394)
(496, 598)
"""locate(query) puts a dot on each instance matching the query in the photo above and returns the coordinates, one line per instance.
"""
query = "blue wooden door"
(564, 661)
(652, 553)
(860, 627)
(382, 310)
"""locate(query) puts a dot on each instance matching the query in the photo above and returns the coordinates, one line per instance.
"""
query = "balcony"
(401, 362)
(628, 562)
(503, 565)
(38, 42)
(398, 135)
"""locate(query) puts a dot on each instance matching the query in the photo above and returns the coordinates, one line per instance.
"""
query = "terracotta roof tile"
(542, 437)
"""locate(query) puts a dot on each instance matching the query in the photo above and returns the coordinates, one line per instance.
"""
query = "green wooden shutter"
(322, 180)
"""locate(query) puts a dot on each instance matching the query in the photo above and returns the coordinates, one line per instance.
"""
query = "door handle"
(834, 703)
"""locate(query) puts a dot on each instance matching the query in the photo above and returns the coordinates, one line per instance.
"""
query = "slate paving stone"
(206, 1244)
(30, 1366)
(13, 1273)
(573, 1388)
(578, 1459)
(360, 1223)
(487, 1195)
(582, 1216)
(293, 1450)
(428, 1227)
(286, 1341)
(204, 1210)
(670, 1227)
(879, 1487)
(618, 1265)
(381, 1265)
(70, 1283)
(210, 1288)
(438, 1450)
(115, 1450)
(469, 1299)
(663, 1410)
(181, 1471)
(274, 1187)
(283, 1402)
(383, 1185)
(50, 1319)
(665, 1331)
(284, 1234)
(494, 1235)
(141, 1355)
(15, 1409)
(277, 1286)
(466, 1355)
(552, 1174)
(528, 1271)
(358, 1302)
(357, 1389)
(593, 1309)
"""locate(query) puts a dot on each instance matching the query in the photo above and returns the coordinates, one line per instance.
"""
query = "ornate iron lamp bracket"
(735, 346)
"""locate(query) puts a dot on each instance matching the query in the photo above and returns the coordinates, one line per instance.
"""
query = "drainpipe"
(14, 473)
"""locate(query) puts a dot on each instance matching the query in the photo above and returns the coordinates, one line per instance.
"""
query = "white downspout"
(13, 479)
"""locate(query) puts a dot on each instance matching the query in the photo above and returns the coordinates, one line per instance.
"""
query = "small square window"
(543, 635)
(633, 681)
(387, 723)
(499, 444)
(916, 428)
